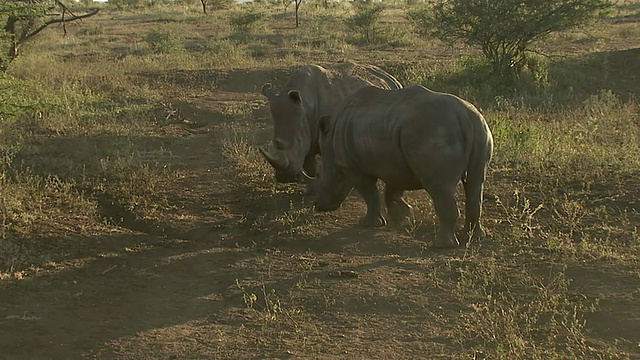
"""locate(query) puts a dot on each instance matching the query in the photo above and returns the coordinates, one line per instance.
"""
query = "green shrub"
(420, 20)
(220, 4)
(23, 99)
(162, 41)
(365, 20)
(504, 29)
(128, 4)
(245, 21)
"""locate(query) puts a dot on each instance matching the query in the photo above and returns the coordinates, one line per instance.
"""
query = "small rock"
(343, 274)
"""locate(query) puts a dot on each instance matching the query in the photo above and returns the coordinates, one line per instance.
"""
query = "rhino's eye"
(279, 144)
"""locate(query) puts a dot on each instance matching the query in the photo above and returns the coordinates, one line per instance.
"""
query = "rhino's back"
(324, 88)
(402, 136)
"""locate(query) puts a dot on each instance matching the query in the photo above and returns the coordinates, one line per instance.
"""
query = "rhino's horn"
(266, 89)
(307, 176)
(277, 161)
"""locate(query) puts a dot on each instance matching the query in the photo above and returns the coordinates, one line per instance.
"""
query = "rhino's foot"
(400, 214)
(445, 242)
(373, 221)
(474, 234)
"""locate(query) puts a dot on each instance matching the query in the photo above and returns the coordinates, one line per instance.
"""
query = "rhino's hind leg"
(366, 186)
(473, 204)
(398, 210)
(444, 202)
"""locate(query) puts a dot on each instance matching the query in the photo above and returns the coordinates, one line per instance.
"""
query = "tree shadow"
(566, 82)
(626, 12)
(138, 284)
(586, 75)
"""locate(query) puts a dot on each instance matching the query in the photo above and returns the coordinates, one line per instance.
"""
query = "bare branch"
(61, 20)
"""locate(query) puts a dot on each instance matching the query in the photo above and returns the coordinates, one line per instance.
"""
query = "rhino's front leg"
(366, 186)
(398, 210)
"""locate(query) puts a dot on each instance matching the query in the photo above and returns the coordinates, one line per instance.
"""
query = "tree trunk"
(12, 53)
(298, 2)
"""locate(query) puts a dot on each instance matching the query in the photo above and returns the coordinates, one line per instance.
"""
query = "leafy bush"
(162, 41)
(245, 21)
(420, 19)
(23, 99)
(365, 20)
(220, 4)
(128, 4)
(504, 29)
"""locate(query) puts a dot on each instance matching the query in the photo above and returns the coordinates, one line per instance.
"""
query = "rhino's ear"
(295, 96)
(324, 123)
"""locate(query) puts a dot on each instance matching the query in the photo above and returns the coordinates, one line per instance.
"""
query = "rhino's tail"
(479, 148)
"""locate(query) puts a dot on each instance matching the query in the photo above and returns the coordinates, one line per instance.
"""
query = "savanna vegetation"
(138, 220)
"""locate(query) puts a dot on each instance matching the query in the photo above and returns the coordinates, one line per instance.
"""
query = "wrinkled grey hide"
(411, 139)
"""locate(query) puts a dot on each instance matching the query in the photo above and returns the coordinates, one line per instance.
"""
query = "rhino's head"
(331, 185)
(292, 135)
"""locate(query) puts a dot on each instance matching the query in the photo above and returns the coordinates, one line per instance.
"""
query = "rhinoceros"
(311, 91)
(411, 139)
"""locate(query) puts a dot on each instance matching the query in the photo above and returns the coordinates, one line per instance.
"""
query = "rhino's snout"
(324, 207)
(285, 177)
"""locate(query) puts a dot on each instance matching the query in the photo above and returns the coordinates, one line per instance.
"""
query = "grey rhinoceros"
(312, 91)
(411, 139)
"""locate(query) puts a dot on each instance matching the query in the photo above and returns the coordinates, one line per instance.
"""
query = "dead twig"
(109, 269)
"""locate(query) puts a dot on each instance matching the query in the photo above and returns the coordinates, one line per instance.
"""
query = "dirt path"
(132, 281)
